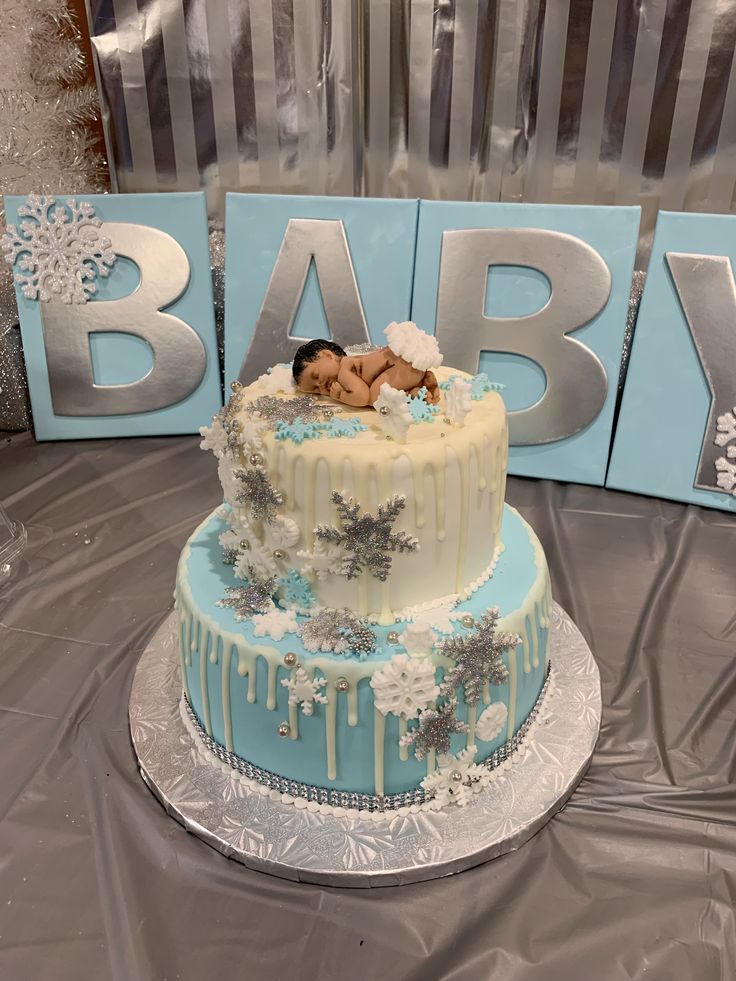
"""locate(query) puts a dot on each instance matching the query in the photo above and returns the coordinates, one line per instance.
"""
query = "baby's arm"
(348, 388)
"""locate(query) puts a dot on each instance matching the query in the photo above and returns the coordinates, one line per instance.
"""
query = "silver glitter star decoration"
(367, 539)
(273, 409)
(258, 493)
(255, 597)
(339, 631)
(435, 729)
(478, 658)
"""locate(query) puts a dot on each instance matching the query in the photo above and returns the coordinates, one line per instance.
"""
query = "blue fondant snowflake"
(422, 411)
(296, 591)
(445, 385)
(343, 427)
(481, 383)
(298, 430)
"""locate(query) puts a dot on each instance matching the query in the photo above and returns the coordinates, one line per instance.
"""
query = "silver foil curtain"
(575, 101)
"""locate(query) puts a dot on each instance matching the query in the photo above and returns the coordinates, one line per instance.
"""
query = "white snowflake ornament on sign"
(59, 250)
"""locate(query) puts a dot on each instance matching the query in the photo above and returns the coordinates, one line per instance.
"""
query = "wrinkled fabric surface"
(636, 878)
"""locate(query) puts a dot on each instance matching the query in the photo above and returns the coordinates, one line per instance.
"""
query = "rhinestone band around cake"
(343, 798)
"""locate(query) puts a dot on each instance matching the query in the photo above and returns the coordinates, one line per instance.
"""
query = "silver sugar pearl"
(447, 420)
(291, 660)
(384, 410)
(456, 776)
(235, 424)
(255, 459)
(284, 730)
(342, 684)
(279, 553)
(467, 620)
(244, 544)
(327, 412)
(393, 637)
(235, 386)
(443, 435)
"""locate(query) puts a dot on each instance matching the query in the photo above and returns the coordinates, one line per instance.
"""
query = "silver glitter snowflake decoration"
(478, 658)
(258, 493)
(367, 540)
(339, 631)
(274, 410)
(59, 250)
(255, 597)
(435, 729)
(725, 465)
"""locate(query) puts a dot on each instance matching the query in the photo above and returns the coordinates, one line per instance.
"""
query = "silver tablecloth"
(635, 879)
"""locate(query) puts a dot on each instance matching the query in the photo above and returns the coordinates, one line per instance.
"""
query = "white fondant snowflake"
(726, 432)
(418, 639)
(59, 250)
(275, 624)
(459, 401)
(255, 560)
(324, 560)
(305, 691)
(252, 428)
(456, 779)
(231, 486)
(413, 345)
(439, 618)
(491, 721)
(404, 686)
(283, 532)
(392, 412)
(277, 379)
(214, 437)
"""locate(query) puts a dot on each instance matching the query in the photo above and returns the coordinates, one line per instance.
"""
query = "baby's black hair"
(308, 352)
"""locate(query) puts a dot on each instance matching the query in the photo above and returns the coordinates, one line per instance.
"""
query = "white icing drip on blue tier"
(233, 679)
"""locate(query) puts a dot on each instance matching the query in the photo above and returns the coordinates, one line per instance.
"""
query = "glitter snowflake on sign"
(274, 409)
(435, 729)
(275, 624)
(340, 632)
(420, 410)
(393, 415)
(324, 560)
(298, 430)
(254, 597)
(458, 398)
(59, 250)
(343, 427)
(367, 540)
(456, 779)
(305, 691)
(491, 722)
(404, 686)
(258, 493)
(478, 658)
(726, 433)
(294, 590)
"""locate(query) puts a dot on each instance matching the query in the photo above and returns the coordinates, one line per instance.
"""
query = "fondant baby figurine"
(324, 368)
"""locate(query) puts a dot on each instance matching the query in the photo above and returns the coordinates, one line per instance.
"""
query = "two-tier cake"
(364, 622)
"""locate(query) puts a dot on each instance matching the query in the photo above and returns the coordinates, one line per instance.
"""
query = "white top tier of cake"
(451, 479)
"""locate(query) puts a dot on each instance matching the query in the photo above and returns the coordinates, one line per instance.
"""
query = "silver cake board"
(216, 804)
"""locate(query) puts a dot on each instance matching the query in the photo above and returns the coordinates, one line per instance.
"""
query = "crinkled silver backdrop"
(515, 100)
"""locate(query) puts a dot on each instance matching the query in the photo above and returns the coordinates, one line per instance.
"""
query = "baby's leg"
(433, 389)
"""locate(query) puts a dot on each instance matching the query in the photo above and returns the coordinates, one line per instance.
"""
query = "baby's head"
(316, 365)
